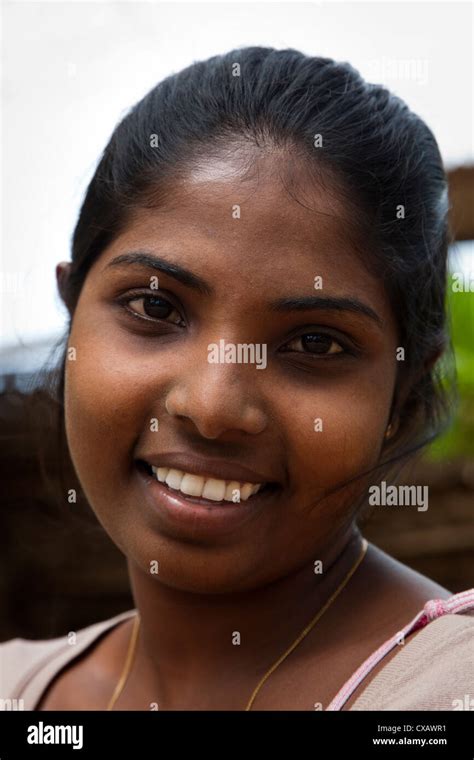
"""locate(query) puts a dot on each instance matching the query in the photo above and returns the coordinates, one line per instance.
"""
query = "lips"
(201, 490)
(195, 519)
(209, 468)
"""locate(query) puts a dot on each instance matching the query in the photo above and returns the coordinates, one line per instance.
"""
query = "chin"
(195, 569)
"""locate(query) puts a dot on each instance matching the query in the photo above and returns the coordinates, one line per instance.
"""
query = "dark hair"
(381, 158)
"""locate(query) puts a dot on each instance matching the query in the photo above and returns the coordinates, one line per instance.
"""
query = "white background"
(71, 70)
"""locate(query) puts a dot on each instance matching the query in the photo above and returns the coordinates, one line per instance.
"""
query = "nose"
(218, 398)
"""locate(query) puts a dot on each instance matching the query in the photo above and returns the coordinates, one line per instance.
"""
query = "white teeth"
(174, 478)
(247, 490)
(162, 473)
(214, 489)
(209, 488)
(232, 492)
(191, 485)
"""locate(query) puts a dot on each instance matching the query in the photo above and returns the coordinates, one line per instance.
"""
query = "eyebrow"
(332, 303)
(281, 305)
(150, 261)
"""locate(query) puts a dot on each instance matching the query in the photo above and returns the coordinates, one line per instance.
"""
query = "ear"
(62, 274)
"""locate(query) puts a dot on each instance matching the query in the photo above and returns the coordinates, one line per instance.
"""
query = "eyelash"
(124, 301)
(139, 296)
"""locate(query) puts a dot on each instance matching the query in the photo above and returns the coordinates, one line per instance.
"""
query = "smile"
(206, 488)
(201, 517)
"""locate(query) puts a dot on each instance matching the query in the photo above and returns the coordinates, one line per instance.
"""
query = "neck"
(188, 638)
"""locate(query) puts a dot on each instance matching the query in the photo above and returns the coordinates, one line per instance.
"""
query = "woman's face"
(139, 385)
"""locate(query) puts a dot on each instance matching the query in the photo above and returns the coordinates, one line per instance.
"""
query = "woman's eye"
(153, 307)
(316, 344)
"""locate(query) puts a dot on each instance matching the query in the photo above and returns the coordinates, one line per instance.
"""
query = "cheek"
(105, 413)
(338, 434)
(331, 444)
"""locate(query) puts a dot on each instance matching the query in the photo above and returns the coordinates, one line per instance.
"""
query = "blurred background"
(70, 72)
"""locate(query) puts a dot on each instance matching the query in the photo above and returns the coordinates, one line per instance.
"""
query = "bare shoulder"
(87, 682)
(389, 594)
(388, 572)
(384, 597)
(399, 594)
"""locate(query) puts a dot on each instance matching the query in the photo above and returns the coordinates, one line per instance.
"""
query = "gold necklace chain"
(136, 624)
(128, 663)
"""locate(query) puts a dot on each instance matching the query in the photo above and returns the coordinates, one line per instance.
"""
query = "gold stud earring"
(389, 431)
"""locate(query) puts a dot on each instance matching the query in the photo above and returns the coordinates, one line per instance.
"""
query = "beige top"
(432, 671)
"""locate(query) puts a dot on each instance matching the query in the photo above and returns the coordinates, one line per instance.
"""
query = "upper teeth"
(207, 488)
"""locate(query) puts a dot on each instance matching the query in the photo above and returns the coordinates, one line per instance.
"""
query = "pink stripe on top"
(434, 608)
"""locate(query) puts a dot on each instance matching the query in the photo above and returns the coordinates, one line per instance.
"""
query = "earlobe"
(392, 428)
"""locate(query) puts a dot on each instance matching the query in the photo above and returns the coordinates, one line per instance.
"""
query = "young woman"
(256, 299)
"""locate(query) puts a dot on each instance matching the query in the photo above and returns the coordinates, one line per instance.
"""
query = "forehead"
(257, 197)
(266, 225)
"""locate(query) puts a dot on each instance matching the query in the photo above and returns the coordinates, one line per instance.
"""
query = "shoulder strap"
(27, 667)
(434, 608)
